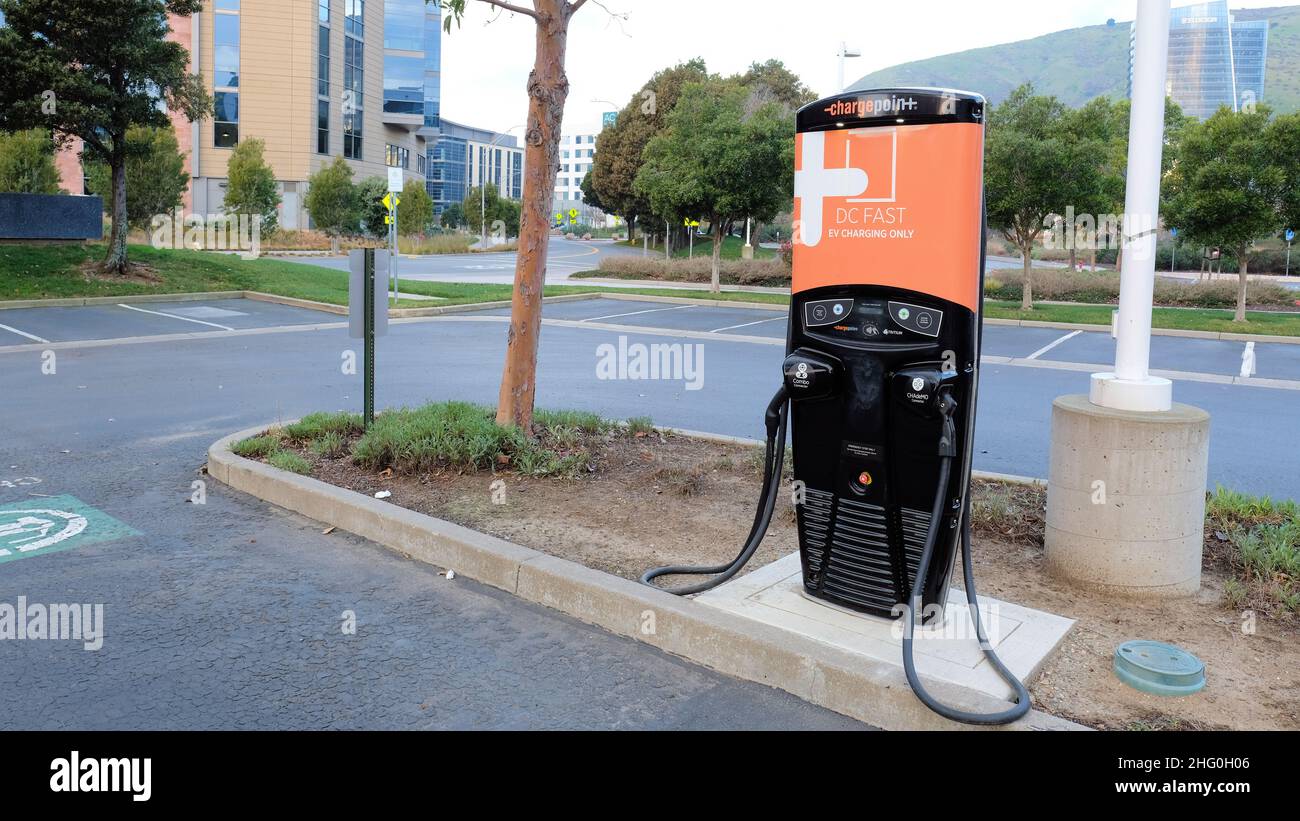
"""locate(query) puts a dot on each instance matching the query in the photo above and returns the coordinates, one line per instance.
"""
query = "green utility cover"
(1159, 668)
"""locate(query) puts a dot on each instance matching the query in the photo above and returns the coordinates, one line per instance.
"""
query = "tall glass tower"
(1214, 61)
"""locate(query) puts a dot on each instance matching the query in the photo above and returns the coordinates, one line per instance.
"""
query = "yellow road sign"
(391, 201)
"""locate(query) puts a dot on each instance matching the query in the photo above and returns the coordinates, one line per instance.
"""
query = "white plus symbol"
(816, 182)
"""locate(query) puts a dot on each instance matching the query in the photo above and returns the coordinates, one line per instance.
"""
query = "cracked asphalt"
(230, 614)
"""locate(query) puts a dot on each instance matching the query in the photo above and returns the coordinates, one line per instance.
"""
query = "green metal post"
(370, 337)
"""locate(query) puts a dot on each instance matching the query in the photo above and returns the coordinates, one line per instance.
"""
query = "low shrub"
(765, 272)
(1063, 285)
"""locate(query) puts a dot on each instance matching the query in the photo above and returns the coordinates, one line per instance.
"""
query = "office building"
(1214, 60)
(314, 79)
(462, 157)
(576, 156)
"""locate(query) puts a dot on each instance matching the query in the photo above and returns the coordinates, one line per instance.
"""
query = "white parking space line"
(32, 337)
(748, 324)
(637, 313)
(1051, 345)
(176, 316)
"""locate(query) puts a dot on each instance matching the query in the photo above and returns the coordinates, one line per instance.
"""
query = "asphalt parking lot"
(1168, 353)
(24, 326)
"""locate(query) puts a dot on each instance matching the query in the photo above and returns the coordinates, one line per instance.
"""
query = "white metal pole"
(1131, 387)
(840, 85)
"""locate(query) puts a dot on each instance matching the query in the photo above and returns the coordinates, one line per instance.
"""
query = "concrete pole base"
(747, 251)
(1126, 497)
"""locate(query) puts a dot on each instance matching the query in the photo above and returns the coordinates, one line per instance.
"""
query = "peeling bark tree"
(548, 88)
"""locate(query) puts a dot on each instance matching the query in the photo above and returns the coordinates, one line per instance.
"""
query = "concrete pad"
(946, 651)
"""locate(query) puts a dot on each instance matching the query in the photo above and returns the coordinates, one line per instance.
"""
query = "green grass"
(1259, 540)
(52, 271)
(290, 461)
(315, 425)
(462, 436)
(443, 436)
(257, 447)
(1189, 319)
(731, 249)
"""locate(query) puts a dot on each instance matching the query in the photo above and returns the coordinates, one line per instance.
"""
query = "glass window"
(404, 24)
(322, 126)
(397, 157)
(403, 85)
(354, 74)
(354, 13)
(226, 5)
(225, 39)
(227, 106)
(323, 63)
(353, 124)
(323, 10)
(225, 135)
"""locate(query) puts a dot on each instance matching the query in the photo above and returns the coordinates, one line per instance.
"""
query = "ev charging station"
(883, 347)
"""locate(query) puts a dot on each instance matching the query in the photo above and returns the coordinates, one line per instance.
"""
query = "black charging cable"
(773, 464)
(948, 452)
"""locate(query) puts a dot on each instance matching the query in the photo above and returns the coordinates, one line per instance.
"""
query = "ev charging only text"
(871, 222)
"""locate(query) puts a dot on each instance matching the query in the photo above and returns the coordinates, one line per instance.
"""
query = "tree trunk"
(1241, 287)
(715, 279)
(1027, 295)
(548, 88)
(115, 261)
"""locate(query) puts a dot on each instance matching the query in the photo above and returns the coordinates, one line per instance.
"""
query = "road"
(564, 257)
(255, 347)
(227, 614)
(230, 614)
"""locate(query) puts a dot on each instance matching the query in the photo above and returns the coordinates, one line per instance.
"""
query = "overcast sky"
(485, 64)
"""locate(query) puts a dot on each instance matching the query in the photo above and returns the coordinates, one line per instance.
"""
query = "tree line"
(693, 145)
(1228, 182)
(690, 144)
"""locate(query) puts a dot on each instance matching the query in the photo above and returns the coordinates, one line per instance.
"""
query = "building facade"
(1214, 60)
(462, 157)
(576, 156)
(314, 79)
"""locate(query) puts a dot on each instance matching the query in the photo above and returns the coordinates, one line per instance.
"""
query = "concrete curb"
(870, 691)
(684, 286)
(75, 302)
(686, 300)
(259, 296)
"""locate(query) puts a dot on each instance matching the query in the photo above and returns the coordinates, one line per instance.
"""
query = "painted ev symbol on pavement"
(34, 528)
(28, 530)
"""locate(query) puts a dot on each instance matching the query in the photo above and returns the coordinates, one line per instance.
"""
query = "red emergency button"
(864, 479)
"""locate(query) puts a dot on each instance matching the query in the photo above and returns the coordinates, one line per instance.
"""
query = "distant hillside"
(1077, 65)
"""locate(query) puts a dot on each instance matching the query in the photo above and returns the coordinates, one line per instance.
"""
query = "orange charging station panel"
(885, 317)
